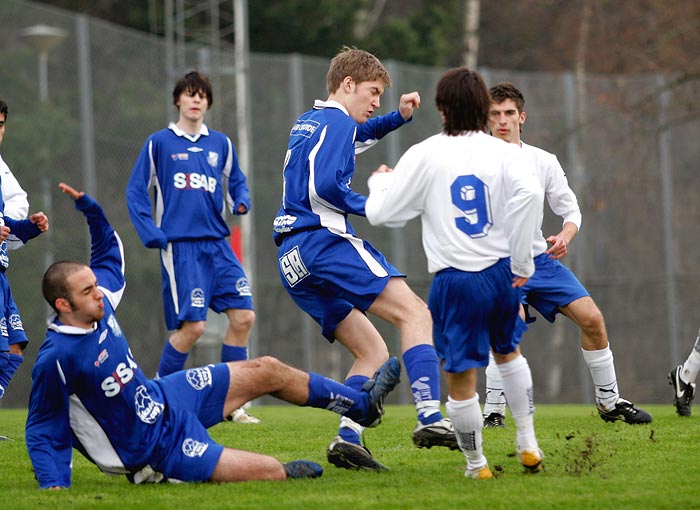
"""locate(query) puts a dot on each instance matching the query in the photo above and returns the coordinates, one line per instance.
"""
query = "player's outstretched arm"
(70, 191)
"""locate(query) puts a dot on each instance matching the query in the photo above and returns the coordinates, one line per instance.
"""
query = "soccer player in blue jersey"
(554, 288)
(333, 275)
(89, 393)
(15, 230)
(194, 173)
(477, 199)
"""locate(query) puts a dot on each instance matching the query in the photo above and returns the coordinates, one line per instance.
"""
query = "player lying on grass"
(89, 393)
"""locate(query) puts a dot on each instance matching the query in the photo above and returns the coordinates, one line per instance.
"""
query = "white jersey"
(15, 199)
(478, 198)
(561, 199)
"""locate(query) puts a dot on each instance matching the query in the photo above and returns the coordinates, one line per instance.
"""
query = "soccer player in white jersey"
(477, 199)
(194, 173)
(682, 378)
(333, 275)
(15, 229)
(554, 288)
(89, 393)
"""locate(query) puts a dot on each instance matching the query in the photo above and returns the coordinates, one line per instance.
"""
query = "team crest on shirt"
(3, 326)
(147, 409)
(197, 298)
(243, 287)
(193, 448)
(16, 322)
(114, 325)
(102, 357)
(199, 378)
(213, 158)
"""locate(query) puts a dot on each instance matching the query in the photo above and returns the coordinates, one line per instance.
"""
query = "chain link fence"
(107, 88)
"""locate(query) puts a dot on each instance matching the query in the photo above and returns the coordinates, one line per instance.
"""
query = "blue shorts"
(329, 274)
(11, 328)
(471, 312)
(195, 401)
(552, 286)
(198, 275)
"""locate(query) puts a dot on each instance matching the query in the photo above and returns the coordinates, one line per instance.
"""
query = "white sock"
(467, 421)
(495, 399)
(602, 367)
(692, 365)
(517, 384)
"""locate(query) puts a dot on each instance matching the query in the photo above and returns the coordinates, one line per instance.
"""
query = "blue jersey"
(194, 178)
(319, 167)
(87, 390)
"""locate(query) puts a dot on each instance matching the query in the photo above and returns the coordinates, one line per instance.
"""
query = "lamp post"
(44, 38)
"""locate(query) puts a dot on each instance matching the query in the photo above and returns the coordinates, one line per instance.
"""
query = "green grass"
(589, 464)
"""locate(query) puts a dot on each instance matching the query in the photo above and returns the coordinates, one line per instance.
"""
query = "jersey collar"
(319, 105)
(192, 138)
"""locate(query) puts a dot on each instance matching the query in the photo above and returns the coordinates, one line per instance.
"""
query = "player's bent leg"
(235, 348)
(588, 317)
(495, 400)
(241, 466)
(178, 346)
(240, 324)
(359, 336)
(401, 307)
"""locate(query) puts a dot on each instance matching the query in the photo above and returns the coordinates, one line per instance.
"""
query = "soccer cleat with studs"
(683, 392)
(439, 433)
(627, 412)
(494, 421)
(346, 455)
(302, 469)
(482, 473)
(531, 460)
(378, 387)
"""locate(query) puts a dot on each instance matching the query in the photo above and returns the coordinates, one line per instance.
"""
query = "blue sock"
(8, 369)
(348, 434)
(171, 360)
(424, 375)
(233, 353)
(328, 394)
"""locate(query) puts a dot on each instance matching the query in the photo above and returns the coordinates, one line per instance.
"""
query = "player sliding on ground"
(89, 393)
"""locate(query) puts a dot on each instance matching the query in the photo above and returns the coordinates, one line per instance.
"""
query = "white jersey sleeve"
(559, 195)
(15, 200)
(523, 209)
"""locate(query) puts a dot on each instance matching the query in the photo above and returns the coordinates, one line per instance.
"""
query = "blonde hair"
(360, 65)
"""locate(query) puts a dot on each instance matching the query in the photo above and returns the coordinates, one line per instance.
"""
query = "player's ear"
(348, 84)
(62, 305)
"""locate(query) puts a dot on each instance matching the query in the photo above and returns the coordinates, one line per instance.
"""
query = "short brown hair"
(359, 65)
(54, 284)
(506, 90)
(192, 83)
(463, 100)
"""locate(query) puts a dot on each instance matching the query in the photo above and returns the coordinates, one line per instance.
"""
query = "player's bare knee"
(192, 330)
(245, 320)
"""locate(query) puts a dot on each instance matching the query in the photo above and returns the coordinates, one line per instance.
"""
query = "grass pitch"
(589, 464)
